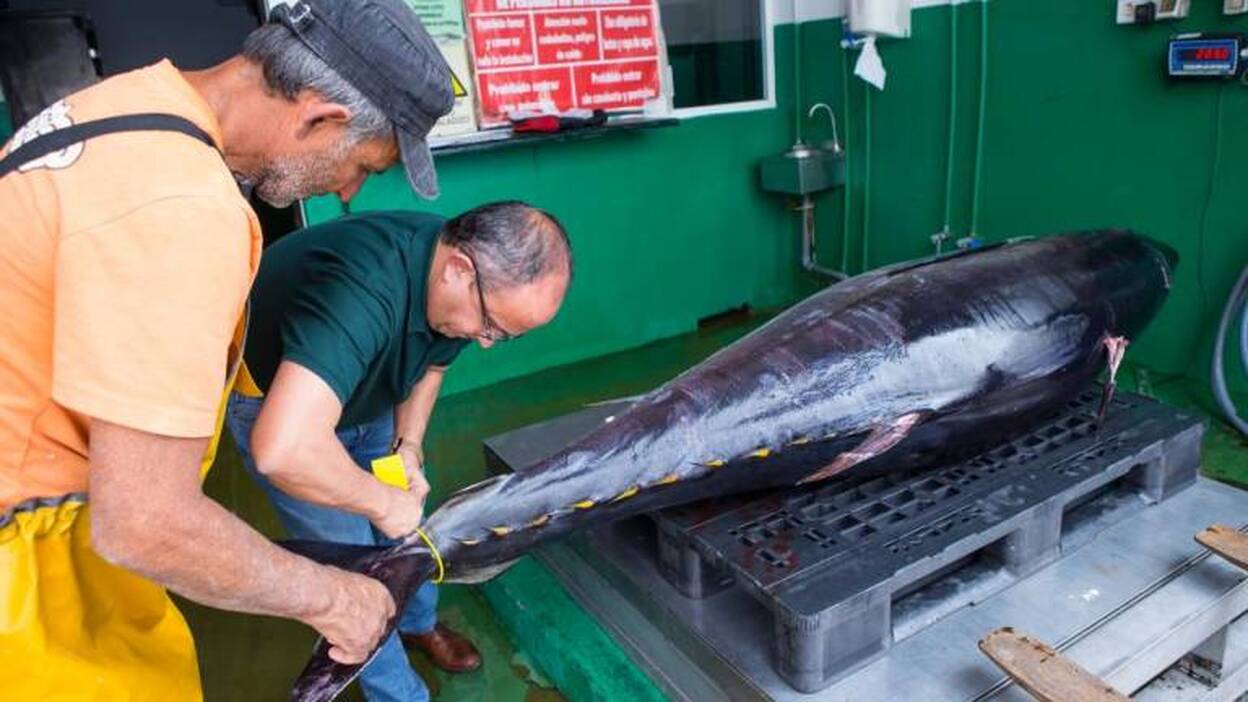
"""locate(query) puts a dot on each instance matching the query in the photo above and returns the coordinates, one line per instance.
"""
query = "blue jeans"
(390, 675)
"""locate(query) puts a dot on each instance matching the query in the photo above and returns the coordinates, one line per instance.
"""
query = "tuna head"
(1133, 277)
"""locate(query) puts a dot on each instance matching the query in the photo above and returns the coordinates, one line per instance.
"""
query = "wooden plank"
(1228, 542)
(1046, 674)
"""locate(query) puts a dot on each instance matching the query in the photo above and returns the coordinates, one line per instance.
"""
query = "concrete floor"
(533, 636)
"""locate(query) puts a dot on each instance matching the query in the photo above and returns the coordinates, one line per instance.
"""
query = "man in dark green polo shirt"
(353, 325)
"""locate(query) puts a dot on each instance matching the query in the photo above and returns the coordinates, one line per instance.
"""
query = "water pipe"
(979, 129)
(848, 199)
(947, 231)
(866, 176)
(797, 80)
(1234, 308)
(807, 207)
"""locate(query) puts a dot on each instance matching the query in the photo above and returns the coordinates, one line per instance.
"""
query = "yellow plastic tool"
(390, 470)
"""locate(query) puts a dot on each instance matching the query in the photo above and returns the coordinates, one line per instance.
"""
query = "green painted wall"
(1082, 130)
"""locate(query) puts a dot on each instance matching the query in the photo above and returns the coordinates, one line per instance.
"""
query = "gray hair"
(511, 243)
(290, 67)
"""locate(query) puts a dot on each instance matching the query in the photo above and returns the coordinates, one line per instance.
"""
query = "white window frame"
(768, 101)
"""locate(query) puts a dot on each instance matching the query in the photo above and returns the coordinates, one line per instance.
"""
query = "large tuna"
(921, 361)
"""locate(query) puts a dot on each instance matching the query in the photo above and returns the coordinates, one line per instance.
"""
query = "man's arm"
(148, 514)
(296, 448)
(411, 419)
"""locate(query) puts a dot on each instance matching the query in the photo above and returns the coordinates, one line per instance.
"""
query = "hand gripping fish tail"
(402, 569)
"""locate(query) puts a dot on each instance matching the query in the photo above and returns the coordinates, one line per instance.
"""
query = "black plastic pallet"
(835, 561)
(832, 561)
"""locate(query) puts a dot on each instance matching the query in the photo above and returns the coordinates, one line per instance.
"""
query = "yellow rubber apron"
(245, 385)
(75, 627)
(237, 371)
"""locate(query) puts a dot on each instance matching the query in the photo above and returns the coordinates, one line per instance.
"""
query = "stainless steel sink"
(802, 170)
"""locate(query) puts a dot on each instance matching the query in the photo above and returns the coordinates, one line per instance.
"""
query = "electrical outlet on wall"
(1135, 11)
(1234, 7)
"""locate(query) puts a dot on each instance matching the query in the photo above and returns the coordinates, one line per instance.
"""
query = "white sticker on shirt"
(55, 117)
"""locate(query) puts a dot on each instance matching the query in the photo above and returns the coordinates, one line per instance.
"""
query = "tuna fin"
(630, 399)
(880, 439)
(484, 573)
(345, 556)
(402, 569)
(1115, 348)
(323, 678)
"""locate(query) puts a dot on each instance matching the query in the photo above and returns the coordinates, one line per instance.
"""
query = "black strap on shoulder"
(54, 141)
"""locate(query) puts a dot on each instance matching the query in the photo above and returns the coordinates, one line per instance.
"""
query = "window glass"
(715, 48)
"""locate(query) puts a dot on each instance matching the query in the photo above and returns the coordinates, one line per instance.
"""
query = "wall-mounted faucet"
(833, 146)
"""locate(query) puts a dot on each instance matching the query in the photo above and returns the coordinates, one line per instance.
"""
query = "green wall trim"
(578, 656)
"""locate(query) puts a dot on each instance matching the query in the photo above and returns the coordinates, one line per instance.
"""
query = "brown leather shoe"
(448, 650)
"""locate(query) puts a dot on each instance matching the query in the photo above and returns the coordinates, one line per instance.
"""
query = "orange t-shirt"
(124, 267)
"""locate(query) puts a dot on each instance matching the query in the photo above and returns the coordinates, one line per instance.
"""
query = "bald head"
(511, 243)
(500, 270)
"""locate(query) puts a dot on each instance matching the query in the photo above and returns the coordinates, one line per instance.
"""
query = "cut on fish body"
(880, 439)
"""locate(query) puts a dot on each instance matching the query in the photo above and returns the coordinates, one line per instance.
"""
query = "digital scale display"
(1204, 56)
(1209, 53)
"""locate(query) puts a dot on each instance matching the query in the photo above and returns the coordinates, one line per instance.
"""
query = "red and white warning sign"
(563, 54)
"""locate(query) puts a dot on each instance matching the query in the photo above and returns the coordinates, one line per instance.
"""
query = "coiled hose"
(1234, 309)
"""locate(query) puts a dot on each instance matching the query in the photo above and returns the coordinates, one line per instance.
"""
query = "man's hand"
(414, 466)
(411, 417)
(149, 515)
(402, 510)
(353, 623)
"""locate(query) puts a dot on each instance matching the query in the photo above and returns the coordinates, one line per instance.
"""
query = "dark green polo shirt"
(346, 300)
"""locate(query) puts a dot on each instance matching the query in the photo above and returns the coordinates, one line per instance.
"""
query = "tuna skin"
(909, 366)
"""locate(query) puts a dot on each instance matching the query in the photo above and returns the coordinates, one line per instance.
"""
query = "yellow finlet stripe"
(470, 542)
(540, 520)
(716, 463)
(668, 479)
(583, 504)
(799, 441)
(626, 494)
(500, 530)
(761, 453)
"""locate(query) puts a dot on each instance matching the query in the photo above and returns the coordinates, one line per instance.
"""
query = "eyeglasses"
(490, 331)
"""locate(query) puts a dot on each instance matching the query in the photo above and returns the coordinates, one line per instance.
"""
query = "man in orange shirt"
(125, 259)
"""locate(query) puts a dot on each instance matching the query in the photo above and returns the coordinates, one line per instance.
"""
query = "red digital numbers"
(1212, 53)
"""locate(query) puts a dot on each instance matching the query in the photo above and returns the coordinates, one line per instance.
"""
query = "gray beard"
(286, 179)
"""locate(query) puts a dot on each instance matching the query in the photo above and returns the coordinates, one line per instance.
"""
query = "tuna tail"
(402, 569)
(345, 556)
